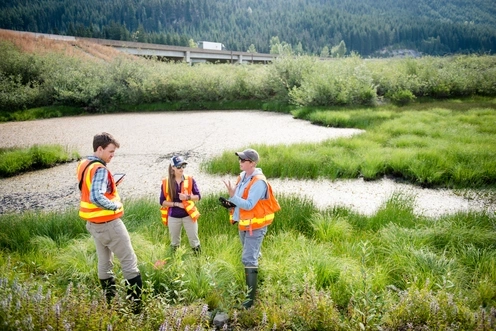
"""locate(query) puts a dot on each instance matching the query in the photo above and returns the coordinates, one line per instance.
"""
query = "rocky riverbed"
(148, 140)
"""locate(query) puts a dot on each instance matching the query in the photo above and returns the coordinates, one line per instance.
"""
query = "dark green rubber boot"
(134, 287)
(197, 250)
(251, 282)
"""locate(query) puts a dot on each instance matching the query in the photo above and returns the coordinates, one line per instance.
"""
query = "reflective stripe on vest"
(88, 210)
(262, 213)
(189, 205)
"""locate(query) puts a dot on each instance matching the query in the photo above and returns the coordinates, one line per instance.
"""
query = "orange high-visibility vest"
(87, 210)
(189, 205)
(262, 214)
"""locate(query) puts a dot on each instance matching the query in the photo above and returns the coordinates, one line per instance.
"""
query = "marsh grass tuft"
(14, 161)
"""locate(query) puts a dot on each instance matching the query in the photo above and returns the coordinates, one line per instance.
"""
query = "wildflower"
(159, 264)
(203, 312)
(57, 310)
(164, 326)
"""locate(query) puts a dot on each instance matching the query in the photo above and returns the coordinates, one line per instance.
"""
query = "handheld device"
(226, 203)
(118, 177)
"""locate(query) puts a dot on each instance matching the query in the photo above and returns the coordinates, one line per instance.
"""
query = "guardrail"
(187, 54)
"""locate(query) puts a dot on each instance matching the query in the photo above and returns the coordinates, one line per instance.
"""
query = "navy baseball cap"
(177, 160)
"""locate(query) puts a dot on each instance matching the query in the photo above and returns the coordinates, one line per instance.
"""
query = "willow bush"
(114, 83)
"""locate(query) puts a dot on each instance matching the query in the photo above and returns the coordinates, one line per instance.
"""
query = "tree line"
(436, 27)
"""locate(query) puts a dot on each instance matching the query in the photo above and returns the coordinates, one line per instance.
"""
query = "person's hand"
(118, 204)
(230, 188)
(183, 196)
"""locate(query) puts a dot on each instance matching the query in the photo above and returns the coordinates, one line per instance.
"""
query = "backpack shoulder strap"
(84, 171)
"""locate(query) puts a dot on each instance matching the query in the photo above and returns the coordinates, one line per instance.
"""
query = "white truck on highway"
(211, 45)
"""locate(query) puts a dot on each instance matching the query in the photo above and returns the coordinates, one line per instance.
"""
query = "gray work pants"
(175, 226)
(112, 238)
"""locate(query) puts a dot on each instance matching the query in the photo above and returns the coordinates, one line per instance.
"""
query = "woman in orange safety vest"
(178, 194)
(254, 210)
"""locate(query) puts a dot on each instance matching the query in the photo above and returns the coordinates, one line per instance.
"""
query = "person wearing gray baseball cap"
(248, 154)
(253, 211)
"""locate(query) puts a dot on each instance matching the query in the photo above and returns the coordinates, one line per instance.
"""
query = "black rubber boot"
(109, 289)
(251, 282)
(134, 287)
(197, 250)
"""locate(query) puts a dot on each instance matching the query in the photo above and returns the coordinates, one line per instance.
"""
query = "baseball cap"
(177, 160)
(248, 154)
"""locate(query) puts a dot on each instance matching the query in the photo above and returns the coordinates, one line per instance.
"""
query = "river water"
(148, 140)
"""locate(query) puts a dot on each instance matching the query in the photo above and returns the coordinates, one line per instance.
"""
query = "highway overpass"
(187, 54)
(173, 53)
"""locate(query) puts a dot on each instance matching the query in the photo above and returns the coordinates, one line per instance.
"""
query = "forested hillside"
(435, 27)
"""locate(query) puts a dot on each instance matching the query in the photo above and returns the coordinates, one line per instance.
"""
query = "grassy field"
(320, 270)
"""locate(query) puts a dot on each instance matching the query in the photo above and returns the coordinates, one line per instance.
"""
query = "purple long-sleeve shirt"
(177, 211)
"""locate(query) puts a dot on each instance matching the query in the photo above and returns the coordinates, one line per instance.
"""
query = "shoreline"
(148, 140)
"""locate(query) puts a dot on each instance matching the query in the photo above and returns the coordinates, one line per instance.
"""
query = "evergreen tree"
(324, 52)
(339, 50)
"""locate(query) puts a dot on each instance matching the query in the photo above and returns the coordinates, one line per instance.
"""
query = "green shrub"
(343, 82)
(401, 98)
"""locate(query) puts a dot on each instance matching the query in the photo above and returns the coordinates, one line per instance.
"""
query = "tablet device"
(226, 203)
(118, 177)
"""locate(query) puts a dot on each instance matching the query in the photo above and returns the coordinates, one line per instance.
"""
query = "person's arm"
(164, 203)
(162, 196)
(195, 193)
(257, 191)
(98, 190)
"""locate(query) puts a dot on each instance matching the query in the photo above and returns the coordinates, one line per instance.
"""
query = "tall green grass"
(331, 269)
(14, 161)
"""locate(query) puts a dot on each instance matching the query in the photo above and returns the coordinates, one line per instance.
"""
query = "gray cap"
(248, 154)
(177, 160)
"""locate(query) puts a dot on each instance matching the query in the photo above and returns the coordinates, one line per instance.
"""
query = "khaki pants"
(112, 238)
(191, 228)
